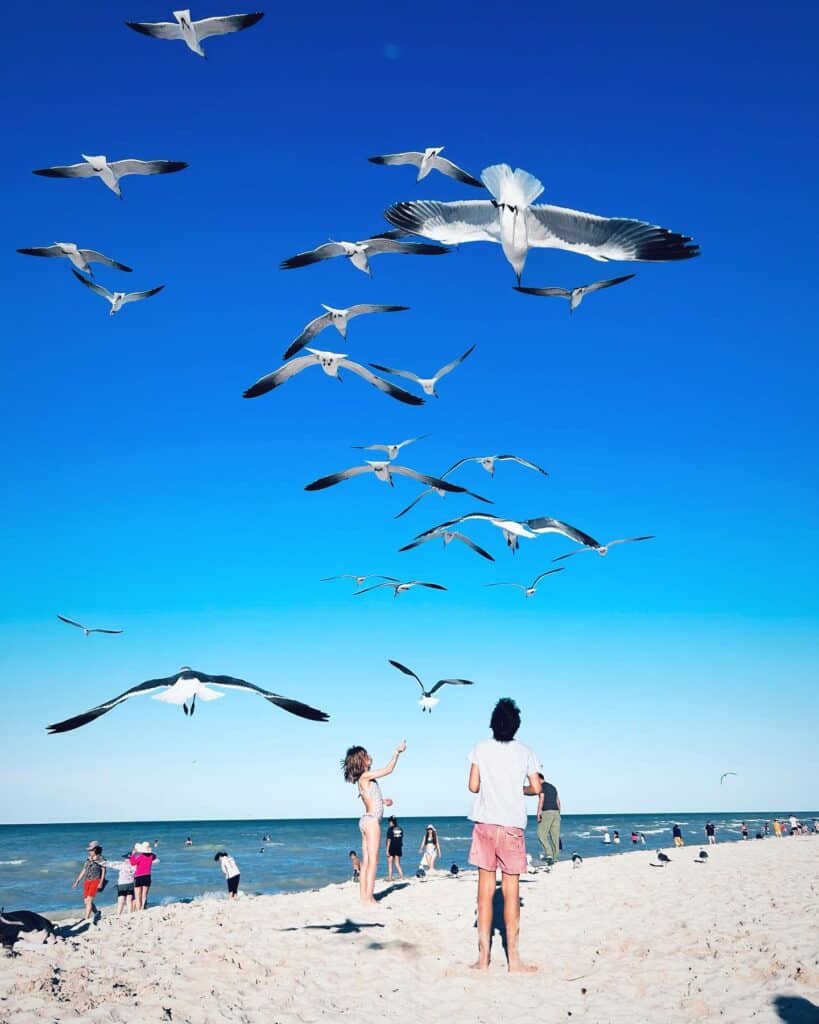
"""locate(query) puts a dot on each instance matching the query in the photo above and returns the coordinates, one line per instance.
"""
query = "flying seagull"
(81, 258)
(447, 536)
(575, 295)
(428, 699)
(429, 160)
(359, 253)
(383, 471)
(117, 299)
(401, 587)
(511, 219)
(724, 776)
(110, 173)
(530, 590)
(392, 450)
(87, 629)
(359, 580)
(183, 688)
(331, 363)
(192, 33)
(603, 549)
(427, 383)
(338, 318)
(513, 529)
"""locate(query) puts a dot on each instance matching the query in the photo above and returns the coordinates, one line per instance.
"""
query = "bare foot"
(480, 965)
(518, 967)
(370, 903)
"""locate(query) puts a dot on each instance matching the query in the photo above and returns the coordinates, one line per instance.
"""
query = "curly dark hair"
(505, 720)
(354, 764)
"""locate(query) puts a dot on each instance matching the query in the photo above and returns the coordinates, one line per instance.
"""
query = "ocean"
(38, 863)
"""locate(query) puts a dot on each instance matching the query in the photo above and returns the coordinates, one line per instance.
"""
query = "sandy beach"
(616, 940)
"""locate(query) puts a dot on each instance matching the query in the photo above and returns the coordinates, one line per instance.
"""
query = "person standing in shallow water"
(501, 772)
(357, 767)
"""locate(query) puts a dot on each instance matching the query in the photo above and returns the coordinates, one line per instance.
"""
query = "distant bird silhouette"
(87, 629)
(724, 776)
(575, 295)
(428, 700)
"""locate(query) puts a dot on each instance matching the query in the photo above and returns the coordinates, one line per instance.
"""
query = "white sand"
(616, 940)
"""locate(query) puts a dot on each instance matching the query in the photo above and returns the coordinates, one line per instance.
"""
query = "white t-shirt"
(229, 866)
(505, 769)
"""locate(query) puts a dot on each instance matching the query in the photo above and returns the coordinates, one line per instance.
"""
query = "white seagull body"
(192, 33)
(401, 587)
(428, 701)
(110, 173)
(331, 363)
(359, 253)
(392, 450)
(359, 580)
(183, 688)
(575, 295)
(513, 529)
(80, 258)
(87, 630)
(447, 536)
(532, 588)
(384, 472)
(486, 462)
(427, 384)
(429, 160)
(338, 318)
(603, 549)
(116, 299)
(511, 219)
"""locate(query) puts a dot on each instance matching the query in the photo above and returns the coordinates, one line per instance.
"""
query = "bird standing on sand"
(193, 33)
(532, 588)
(428, 699)
(116, 299)
(575, 295)
(359, 253)
(429, 160)
(338, 318)
(184, 687)
(110, 173)
(87, 630)
(80, 258)
(427, 383)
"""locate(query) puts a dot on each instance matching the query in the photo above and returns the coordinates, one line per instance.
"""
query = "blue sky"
(144, 492)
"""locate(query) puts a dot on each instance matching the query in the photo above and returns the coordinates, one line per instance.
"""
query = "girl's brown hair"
(354, 764)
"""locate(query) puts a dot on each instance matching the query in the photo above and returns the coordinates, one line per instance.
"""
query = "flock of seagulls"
(507, 214)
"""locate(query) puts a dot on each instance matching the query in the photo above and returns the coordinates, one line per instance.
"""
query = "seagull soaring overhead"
(117, 299)
(401, 587)
(183, 687)
(383, 471)
(513, 529)
(359, 253)
(87, 629)
(427, 383)
(192, 33)
(110, 173)
(331, 363)
(447, 536)
(428, 700)
(575, 295)
(724, 776)
(81, 258)
(486, 461)
(530, 590)
(602, 549)
(511, 219)
(429, 160)
(338, 318)
(392, 450)
(359, 580)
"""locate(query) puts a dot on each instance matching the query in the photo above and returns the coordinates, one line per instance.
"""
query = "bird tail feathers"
(515, 188)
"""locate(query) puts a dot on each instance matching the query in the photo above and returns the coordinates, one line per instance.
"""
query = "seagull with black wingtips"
(391, 450)
(384, 471)
(359, 253)
(428, 699)
(427, 384)
(575, 295)
(401, 587)
(514, 529)
(532, 588)
(116, 299)
(603, 549)
(359, 580)
(193, 33)
(110, 172)
(338, 318)
(87, 630)
(80, 258)
(447, 536)
(429, 160)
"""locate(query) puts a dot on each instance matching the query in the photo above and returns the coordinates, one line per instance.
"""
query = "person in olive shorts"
(548, 822)
(395, 848)
(92, 877)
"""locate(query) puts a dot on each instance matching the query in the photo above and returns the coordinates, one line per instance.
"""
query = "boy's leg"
(398, 867)
(510, 886)
(486, 895)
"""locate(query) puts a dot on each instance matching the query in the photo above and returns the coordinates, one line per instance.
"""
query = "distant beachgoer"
(794, 823)
(189, 841)
(395, 848)
(616, 837)
(606, 837)
(711, 833)
(265, 839)
(125, 883)
(230, 869)
(777, 828)
(356, 865)
(501, 772)
(635, 839)
(548, 821)
(430, 848)
(92, 875)
(357, 767)
(815, 825)
(143, 859)
(678, 837)
(744, 831)
(766, 828)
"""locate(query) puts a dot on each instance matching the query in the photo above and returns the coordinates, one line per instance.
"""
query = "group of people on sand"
(430, 850)
(133, 878)
(502, 773)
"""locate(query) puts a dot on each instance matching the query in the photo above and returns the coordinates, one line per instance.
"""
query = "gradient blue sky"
(144, 492)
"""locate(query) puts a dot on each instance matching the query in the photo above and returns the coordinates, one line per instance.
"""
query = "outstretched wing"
(471, 544)
(605, 238)
(393, 159)
(222, 26)
(522, 462)
(336, 478)
(43, 250)
(102, 709)
(520, 586)
(136, 296)
(314, 328)
(406, 374)
(70, 622)
(92, 256)
(123, 167)
(629, 540)
(365, 307)
(278, 377)
(474, 220)
(548, 572)
(599, 285)
(430, 481)
(440, 163)
(455, 362)
(562, 293)
(545, 524)
(96, 288)
(295, 707)
(454, 522)
(380, 244)
(450, 682)
(321, 252)
(98, 629)
(375, 586)
(157, 29)
(383, 385)
(83, 170)
(412, 504)
(406, 671)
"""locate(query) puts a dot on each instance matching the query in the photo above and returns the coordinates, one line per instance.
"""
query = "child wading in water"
(357, 767)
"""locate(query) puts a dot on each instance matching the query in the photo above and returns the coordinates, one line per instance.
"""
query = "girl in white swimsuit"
(357, 767)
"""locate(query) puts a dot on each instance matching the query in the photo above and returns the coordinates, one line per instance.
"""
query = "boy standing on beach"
(502, 770)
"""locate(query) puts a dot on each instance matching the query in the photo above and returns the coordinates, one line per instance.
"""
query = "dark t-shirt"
(709, 829)
(395, 840)
(549, 797)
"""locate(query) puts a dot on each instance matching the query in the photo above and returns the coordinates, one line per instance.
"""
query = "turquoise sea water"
(39, 862)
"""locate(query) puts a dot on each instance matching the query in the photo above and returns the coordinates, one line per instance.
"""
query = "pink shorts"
(498, 846)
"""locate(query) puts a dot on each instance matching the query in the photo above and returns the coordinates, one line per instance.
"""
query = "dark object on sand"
(420, 873)
(454, 869)
(14, 922)
(663, 858)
